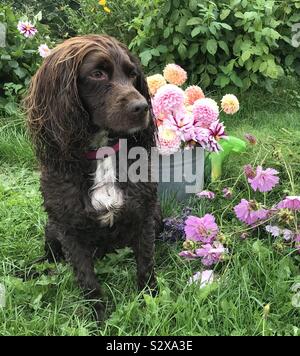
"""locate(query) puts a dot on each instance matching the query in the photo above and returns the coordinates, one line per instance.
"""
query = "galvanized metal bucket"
(181, 174)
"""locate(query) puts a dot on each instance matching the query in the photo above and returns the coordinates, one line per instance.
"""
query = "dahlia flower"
(205, 112)
(27, 29)
(292, 202)
(249, 212)
(155, 82)
(230, 104)
(211, 253)
(168, 99)
(168, 140)
(264, 180)
(192, 94)
(202, 229)
(174, 74)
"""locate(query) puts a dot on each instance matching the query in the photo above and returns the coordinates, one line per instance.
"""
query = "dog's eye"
(133, 73)
(99, 74)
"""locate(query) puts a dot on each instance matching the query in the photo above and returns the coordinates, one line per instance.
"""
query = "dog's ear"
(57, 120)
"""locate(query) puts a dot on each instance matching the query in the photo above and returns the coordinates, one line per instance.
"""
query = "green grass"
(258, 273)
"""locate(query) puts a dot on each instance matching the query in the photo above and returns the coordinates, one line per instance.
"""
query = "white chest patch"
(105, 195)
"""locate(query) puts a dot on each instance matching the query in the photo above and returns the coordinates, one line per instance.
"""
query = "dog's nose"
(138, 107)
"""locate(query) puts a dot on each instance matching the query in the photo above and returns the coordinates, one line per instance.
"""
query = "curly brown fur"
(90, 84)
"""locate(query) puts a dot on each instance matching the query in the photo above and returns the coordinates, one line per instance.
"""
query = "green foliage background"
(238, 43)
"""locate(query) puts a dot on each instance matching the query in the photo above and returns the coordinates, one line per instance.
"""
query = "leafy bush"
(238, 42)
(19, 57)
(91, 18)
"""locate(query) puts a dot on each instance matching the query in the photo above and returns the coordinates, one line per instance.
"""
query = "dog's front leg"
(81, 259)
(144, 253)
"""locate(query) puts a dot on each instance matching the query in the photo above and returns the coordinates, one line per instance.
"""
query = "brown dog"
(89, 90)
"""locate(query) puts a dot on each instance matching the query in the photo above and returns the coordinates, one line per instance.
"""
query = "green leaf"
(246, 55)
(194, 21)
(194, 48)
(236, 80)
(224, 13)
(5, 57)
(205, 80)
(196, 31)
(155, 52)
(289, 60)
(162, 48)
(223, 45)
(20, 72)
(182, 51)
(212, 69)
(212, 46)
(146, 57)
(226, 26)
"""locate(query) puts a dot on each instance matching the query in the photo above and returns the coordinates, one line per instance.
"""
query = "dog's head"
(111, 88)
(87, 84)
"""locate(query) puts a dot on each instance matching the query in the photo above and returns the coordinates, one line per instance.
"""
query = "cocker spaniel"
(89, 93)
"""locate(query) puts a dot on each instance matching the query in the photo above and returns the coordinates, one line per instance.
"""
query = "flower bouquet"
(186, 119)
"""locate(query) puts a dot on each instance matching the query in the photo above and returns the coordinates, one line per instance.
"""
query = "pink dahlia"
(265, 180)
(174, 74)
(211, 253)
(202, 229)
(168, 100)
(292, 202)
(249, 212)
(168, 140)
(205, 112)
(181, 121)
(192, 94)
(27, 29)
(216, 132)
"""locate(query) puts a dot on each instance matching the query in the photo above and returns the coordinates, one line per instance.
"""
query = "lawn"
(253, 292)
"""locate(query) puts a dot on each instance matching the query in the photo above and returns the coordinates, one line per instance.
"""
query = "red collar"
(102, 152)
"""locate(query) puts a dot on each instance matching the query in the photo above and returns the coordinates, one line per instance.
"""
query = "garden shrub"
(237, 42)
(19, 57)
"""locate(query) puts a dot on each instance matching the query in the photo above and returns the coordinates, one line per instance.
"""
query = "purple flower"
(211, 253)
(292, 202)
(265, 180)
(206, 194)
(189, 255)
(202, 229)
(249, 213)
(227, 193)
(203, 278)
(27, 29)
